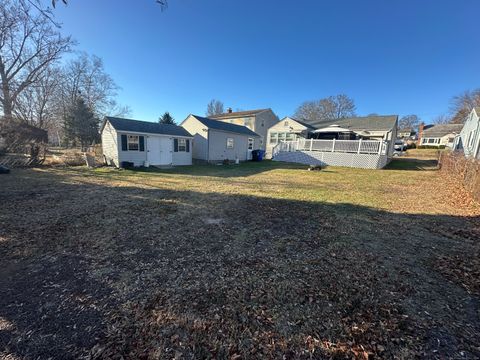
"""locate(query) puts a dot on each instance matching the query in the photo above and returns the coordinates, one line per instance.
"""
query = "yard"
(261, 260)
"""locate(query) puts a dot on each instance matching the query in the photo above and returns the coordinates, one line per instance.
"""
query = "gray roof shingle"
(307, 125)
(238, 114)
(225, 126)
(147, 127)
(373, 122)
(442, 130)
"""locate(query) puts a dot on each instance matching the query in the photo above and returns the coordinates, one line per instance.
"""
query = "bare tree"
(163, 3)
(332, 108)
(85, 77)
(409, 122)
(36, 104)
(29, 44)
(442, 119)
(462, 104)
(214, 107)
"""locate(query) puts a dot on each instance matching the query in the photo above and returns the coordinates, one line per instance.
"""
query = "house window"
(432, 141)
(182, 145)
(282, 136)
(133, 143)
(229, 143)
(250, 144)
(471, 137)
(285, 123)
(290, 137)
(273, 137)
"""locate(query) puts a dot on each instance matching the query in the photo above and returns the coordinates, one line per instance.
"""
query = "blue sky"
(390, 56)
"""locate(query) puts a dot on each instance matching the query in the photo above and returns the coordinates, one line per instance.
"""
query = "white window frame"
(273, 138)
(182, 145)
(230, 143)
(250, 144)
(131, 141)
(471, 138)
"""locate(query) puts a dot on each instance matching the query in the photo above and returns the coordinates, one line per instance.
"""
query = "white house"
(441, 135)
(259, 121)
(469, 138)
(217, 140)
(363, 142)
(144, 143)
(287, 129)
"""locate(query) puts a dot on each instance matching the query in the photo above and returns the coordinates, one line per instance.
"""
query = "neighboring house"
(216, 140)
(259, 121)
(469, 138)
(144, 143)
(440, 135)
(406, 134)
(374, 127)
(287, 129)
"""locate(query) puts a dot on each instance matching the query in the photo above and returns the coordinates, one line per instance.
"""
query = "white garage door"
(159, 150)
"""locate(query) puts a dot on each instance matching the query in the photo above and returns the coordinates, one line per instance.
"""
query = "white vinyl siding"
(110, 145)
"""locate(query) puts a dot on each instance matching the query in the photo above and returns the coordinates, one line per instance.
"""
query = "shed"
(145, 143)
(217, 140)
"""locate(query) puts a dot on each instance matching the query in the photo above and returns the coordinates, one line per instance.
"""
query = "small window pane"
(182, 145)
(250, 144)
(273, 138)
(229, 143)
(133, 143)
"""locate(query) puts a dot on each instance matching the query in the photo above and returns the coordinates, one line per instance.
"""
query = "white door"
(249, 149)
(166, 151)
(159, 150)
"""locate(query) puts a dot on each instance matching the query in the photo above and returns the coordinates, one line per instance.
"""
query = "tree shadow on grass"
(223, 171)
(142, 271)
(412, 164)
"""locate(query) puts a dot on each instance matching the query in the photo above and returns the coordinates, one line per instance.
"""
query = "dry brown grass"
(256, 261)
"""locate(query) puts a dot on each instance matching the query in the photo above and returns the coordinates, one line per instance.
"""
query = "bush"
(440, 147)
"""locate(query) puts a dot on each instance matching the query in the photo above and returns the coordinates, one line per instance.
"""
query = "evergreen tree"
(81, 125)
(166, 119)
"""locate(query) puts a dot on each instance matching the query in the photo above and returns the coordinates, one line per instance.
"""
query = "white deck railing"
(341, 146)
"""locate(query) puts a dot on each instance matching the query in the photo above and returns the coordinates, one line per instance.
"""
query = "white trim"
(152, 134)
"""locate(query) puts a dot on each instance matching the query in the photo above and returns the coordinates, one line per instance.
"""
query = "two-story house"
(259, 121)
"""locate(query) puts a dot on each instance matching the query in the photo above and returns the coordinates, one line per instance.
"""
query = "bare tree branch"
(28, 46)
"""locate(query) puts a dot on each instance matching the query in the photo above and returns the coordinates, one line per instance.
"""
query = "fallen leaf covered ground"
(261, 260)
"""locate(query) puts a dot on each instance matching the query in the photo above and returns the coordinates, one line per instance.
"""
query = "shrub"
(431, 147)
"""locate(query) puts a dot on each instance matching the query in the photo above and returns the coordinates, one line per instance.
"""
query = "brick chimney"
(229, 110)
(420, 133)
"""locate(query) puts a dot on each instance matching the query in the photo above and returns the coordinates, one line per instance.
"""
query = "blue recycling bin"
(257, 155)
(261, 154)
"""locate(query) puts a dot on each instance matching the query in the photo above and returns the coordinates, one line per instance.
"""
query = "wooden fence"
(465, 171)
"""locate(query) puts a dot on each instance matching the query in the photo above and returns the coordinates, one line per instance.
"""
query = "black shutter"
(141, 140)
(124, 143)
(175, 145)
(188, 145)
